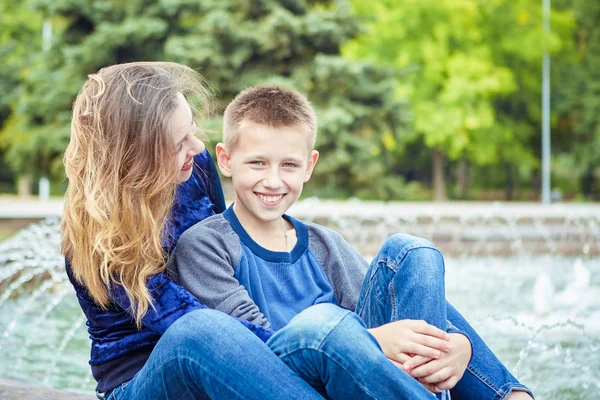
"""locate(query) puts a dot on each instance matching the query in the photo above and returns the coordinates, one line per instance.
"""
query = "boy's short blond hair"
(271, 105)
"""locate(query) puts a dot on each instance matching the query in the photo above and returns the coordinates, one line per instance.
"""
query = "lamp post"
(546, 108)
(44, 183)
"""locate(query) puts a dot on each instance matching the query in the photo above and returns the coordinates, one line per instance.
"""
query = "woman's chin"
(184, 175)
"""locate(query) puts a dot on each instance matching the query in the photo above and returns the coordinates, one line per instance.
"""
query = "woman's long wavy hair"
(121, 163)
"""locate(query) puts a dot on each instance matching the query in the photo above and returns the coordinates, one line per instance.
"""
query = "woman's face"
(186, 143)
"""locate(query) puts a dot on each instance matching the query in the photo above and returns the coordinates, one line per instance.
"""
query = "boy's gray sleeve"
(344, 267)
(204, 263)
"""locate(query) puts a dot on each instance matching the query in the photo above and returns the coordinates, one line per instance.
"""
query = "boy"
(256, 263)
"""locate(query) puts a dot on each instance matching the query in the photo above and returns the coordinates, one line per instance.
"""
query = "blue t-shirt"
(281, 284)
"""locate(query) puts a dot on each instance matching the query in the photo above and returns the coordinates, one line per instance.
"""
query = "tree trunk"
(439, 179)
(24, 185)
(509, 183)
(462, 184)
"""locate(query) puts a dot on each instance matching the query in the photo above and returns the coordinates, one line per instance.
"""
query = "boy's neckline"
(275, 256)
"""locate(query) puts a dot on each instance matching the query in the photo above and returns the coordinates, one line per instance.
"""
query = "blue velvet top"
(119, 349)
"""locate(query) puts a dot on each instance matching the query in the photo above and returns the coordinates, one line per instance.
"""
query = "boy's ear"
(223, 160)
(310, 166)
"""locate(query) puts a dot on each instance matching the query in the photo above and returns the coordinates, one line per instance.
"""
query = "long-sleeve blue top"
(119, 349)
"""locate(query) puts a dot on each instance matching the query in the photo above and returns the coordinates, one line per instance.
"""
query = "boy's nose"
(272, 181)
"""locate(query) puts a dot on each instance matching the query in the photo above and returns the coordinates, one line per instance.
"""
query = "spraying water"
(528, 283)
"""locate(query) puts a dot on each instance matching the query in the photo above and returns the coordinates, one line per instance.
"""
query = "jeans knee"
(319, 328)
(403, 241)
(315, 317)
(412, 255)
(312, 326)
(200, 326)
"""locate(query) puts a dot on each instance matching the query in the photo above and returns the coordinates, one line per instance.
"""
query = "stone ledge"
(14, 390)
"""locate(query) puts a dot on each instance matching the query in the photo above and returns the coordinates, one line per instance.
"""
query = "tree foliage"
(577, 89)
(460, 79)
(234, 44)
(472, 70)
(20, 38)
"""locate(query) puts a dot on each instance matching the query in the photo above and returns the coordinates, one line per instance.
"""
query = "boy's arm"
(344, 267)
(204, 263)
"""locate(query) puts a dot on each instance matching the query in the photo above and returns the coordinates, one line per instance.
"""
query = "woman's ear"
(310, 166)
(223, 160)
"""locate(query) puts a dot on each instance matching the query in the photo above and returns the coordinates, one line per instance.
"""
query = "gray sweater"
(214, 253)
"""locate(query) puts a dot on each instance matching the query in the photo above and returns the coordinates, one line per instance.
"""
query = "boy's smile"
(270, 199)
(268, 167)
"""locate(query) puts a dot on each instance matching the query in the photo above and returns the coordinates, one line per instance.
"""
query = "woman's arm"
(216, 190)
(171, 301)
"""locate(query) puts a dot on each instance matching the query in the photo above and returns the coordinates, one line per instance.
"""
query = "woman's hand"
(444, 372)
(402, 340)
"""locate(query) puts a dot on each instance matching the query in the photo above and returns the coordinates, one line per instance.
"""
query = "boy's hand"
(442, 373)
(401, 340)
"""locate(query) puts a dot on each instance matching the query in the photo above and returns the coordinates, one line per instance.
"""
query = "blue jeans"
(406, 281)
(331, 349)
(208, 355)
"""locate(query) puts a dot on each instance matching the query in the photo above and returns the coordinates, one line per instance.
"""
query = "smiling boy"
(260, 264)
(256, 263)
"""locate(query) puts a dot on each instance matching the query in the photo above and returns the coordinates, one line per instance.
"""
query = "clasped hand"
(435, 358)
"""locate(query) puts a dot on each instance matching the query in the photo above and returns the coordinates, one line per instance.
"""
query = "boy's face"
(268, 167)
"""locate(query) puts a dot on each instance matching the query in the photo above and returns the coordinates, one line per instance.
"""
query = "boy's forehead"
(250, 124)
(255, 139)
(248, 127)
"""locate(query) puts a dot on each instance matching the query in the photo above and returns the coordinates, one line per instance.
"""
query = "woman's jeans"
(206, 354)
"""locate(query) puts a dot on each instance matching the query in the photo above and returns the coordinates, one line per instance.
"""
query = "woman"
(132, 140)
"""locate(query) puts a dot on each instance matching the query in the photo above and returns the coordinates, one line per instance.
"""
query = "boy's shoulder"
(322, 233)
(313, 226)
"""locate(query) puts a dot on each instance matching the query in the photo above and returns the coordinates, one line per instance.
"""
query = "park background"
(416, 100)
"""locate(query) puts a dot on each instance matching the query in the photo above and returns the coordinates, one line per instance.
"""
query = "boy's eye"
(290, 165)
(257, 163)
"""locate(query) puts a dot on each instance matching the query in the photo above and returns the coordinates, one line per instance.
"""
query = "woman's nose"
(197, 146)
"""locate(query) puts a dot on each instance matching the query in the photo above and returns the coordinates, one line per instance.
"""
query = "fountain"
(526, 278)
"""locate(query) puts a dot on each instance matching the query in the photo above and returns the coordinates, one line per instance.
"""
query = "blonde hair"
(271, 105)
(121, 167)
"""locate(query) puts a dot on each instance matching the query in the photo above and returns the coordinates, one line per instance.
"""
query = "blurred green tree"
(234, 44)
(577, 94)
(467, 64)
(20, 41)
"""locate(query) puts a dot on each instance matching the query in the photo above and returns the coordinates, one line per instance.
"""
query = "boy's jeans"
(329, 347)
(406, 281)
